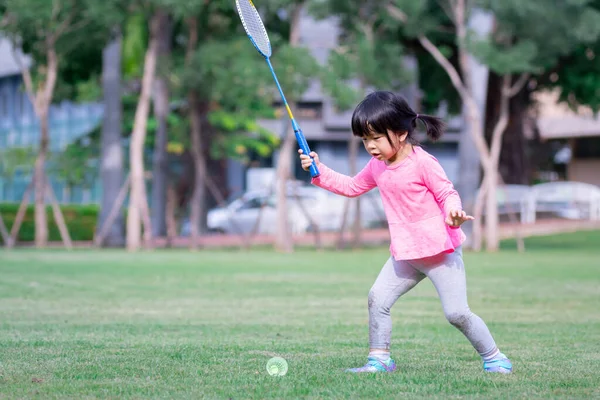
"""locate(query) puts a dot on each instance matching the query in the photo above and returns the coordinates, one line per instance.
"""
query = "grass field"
(173, 324)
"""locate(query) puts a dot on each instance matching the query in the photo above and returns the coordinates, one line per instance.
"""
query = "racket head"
(254, 26)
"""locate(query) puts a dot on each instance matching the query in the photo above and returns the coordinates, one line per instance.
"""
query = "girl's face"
(378, 145)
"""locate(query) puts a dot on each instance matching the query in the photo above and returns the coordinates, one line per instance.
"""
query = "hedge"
(81, 221)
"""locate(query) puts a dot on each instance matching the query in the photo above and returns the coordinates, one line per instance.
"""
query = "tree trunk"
(515, 161)
(113, 213)
(353, 146)
(16, 226)
(198, 201)
(43, 101)
(284, 240)
(492, 177)
(171, 215)
(39, 184)
(58, 217)
(137, 199)
(475, 76)
(111, 169)
(4, 233)
(161, 112)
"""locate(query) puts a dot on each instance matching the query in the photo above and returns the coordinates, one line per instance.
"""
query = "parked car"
(324, 208)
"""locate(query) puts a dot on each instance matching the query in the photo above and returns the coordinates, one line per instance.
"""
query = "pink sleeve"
(345, 185)
(438, 183)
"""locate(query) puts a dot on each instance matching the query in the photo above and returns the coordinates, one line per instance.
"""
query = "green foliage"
(502, 60)
(80, 220)
(231, 74)
(80, 29)
(15, 159)
(77, 164)
(523, 41)
(135, 38)
(577, 74)
(240, 137)
(577, 78)
(369, 56)
(88, 90)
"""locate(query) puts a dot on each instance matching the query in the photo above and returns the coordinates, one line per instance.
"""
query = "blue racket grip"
(314, 171)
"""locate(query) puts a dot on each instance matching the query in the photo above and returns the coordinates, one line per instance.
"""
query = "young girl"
(424, 214)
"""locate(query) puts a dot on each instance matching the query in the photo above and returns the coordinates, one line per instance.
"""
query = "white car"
(326, 209)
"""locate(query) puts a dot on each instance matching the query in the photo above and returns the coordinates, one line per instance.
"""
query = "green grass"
(173, 324)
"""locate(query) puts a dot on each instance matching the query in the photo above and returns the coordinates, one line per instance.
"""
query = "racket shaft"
(314, 171)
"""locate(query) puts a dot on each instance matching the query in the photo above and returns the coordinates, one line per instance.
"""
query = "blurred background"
(155, 123)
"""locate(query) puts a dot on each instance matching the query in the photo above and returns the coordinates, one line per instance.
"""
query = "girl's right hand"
(307, 161)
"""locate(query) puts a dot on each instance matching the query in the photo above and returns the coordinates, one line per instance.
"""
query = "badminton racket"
(257, 33)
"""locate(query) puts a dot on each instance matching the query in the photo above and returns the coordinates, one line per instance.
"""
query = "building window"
(4, 103)
(588, 147)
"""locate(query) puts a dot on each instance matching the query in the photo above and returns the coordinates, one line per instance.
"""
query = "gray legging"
(447, 273)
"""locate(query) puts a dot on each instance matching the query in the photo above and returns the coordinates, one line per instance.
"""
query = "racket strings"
(254, 26)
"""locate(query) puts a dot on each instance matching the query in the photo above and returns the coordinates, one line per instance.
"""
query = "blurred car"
(324, 208)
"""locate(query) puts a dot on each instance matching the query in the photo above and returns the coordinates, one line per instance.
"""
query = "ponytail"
(434, 126)
(384, 111)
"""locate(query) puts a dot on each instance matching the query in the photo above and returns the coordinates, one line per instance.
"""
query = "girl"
(424, 214)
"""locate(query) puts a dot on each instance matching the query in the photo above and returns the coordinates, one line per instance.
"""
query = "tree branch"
(399, 15)
(446, 64)
(51, 77)
(5, 20)
(448, 10)
(458, 9)
(502, 122)
(26, 77)
(192, 24)
(462, 87)
(518, 85)
(64, 26)
(55, 10)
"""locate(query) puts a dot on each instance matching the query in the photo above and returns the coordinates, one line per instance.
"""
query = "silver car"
(255, 211)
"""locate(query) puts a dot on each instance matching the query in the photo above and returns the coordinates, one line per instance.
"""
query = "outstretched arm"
(338, 183)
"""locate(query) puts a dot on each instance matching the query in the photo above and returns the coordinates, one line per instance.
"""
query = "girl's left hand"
(457, 217)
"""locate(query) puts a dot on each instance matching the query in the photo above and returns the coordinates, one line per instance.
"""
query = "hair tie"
(417, 117)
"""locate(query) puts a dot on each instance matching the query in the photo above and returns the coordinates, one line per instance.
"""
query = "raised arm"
(338, 183)
(345, 185)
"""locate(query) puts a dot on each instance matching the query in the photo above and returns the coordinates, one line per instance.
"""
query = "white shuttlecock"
(277, 366)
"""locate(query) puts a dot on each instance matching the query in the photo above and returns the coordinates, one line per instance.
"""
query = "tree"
(138, 202)
(48, 30)
(160, 99)
(111, 164)
(509, 53)
(284, 241)
(517, 49)
(193, 13)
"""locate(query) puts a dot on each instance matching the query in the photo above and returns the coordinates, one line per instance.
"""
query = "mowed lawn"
(174, 324)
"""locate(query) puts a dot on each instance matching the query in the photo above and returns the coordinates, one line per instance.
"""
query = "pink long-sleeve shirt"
(416, 195)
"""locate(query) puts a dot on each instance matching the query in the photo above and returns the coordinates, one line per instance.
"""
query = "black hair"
(381, 111)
